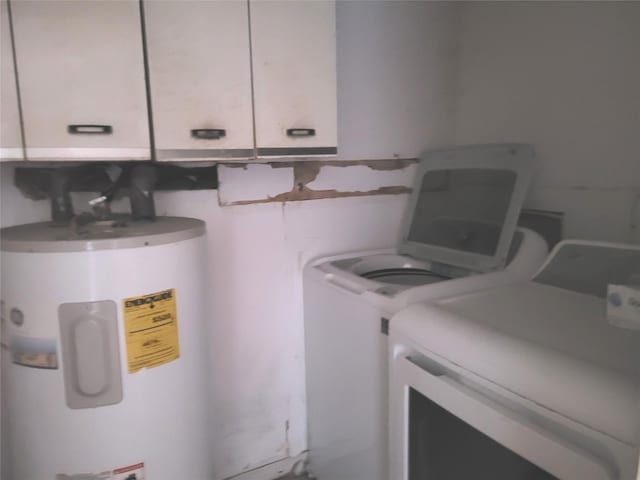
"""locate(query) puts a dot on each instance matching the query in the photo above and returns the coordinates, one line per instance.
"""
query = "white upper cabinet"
(228, 79)
(10, 136)
(82, 80)
(200, 79)
(294, 77)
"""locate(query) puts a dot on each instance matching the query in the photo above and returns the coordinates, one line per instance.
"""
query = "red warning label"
(132, 472)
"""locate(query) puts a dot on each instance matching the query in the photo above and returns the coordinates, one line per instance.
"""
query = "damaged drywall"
(313, 180)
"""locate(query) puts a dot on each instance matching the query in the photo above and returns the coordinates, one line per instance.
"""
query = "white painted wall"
(394, 98)
(396, 79)
(394, 69)
(563, 76)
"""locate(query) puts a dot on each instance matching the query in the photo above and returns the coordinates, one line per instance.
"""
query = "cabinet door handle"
(208, 133)
(301, 132)
(90, 129)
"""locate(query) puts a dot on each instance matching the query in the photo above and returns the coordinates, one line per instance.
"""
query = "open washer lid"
(465, 205)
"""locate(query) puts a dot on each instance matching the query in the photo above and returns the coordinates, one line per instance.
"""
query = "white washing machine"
(528, 380)
(457, 237)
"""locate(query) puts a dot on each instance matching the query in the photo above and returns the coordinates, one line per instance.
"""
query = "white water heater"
(104, 366)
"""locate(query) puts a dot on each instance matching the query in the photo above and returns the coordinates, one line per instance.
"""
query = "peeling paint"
(379, 164)
(383, 164)
(304, 173)
(257, 185)
(308, 194)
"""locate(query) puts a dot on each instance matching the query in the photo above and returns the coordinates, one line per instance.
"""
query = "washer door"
(494, 436)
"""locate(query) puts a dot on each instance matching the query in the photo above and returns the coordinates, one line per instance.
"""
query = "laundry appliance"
(104, 355)
(529, 380)
(457, 236)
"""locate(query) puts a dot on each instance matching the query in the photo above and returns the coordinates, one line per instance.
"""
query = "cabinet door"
(294, 76)
(82, 79)
(200, 78)
(10, 136)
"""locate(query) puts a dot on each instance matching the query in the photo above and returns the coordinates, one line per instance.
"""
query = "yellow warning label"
(151, 330)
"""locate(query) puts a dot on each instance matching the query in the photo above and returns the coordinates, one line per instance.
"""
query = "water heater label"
(151, 330)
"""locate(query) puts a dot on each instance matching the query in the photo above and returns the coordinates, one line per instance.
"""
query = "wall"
(395, 77)
(394, 62)
(564, 77)
(561, 76)
(395, 67)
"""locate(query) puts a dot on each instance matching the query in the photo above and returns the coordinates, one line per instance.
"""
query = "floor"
(291, 476)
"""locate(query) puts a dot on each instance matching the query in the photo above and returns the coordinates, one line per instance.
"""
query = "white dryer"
(527, 381)
(457, 237)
